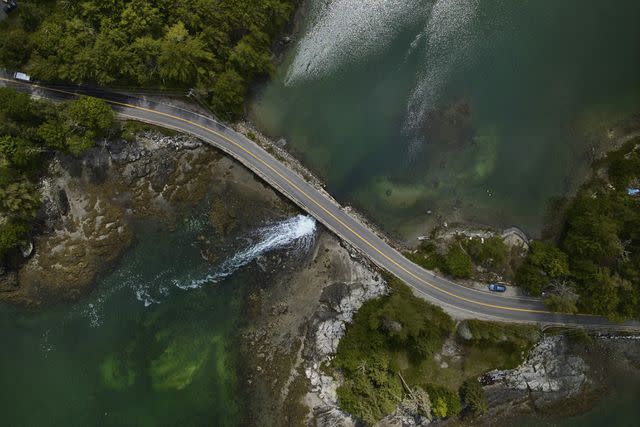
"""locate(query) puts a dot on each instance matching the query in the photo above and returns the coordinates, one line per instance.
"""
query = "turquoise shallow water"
(479, 111)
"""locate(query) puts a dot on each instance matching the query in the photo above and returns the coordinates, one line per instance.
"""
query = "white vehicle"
(22, 76)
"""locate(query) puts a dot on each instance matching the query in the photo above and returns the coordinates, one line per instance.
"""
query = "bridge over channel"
(456, 299)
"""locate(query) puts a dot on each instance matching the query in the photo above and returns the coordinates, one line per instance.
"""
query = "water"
(299, 229)
(476, 110)
(618, 409)
(144, 349)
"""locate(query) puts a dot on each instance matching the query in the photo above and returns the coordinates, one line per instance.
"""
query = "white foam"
(448, 38)
(343, 31)
(298, 231)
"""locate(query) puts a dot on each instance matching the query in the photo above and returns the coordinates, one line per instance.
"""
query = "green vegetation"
(427, 256)
(401, 334)
(445, 403)
(457, 263)
(131, 129)
(117, 371)
(595, 268)
(215, 47)
(29, 131)
(462, 255)
(545, 263)
(490, 252)
(472, 394)
(367, 354)
(511, 341)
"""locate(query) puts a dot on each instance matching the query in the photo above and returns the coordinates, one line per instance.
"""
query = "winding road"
(454, 298)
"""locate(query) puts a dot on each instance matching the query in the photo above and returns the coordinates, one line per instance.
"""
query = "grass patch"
(461, 256)
(131, 128)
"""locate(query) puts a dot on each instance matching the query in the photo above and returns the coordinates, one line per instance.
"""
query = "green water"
(535, 78)
(618, 409)
(517, 92)
(110, 360)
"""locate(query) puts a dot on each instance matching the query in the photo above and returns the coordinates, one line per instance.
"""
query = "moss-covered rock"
(180, 360)
(117, 371)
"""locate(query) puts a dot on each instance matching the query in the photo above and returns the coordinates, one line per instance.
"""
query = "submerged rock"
(116, 371)
(180, 361)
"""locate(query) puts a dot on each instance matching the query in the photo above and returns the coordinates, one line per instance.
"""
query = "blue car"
(497, 287)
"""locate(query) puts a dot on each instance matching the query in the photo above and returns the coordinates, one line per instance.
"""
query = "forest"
(30, 132)
(593, 266)
(216, 48)
(589, 259)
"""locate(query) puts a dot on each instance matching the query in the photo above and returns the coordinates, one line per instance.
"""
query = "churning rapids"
(296, 234)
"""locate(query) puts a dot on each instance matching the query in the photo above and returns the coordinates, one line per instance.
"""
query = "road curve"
(452, 297)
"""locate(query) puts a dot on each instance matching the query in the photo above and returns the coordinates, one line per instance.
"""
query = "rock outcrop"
(89, 203)
(340, 301)
(296, 326)
(549, 375)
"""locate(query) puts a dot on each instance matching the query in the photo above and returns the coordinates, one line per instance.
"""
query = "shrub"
(371, 391)
(11, 234)
(492, 252)
(511, 341)
(472, 394)
(19, 200)
(366, 355)
(457, 263)
(531, 278)
(561, 304)
(426, 256)
(549, 259)
(445, 403)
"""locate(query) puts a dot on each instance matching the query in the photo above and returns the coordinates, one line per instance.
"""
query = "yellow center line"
(355, 233)
(287, 180)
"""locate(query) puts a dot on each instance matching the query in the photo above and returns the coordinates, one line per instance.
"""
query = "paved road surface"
(452, 297)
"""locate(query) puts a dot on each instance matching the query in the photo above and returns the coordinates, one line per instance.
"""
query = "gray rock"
(26, 248)
(464, 332)
(391, 325)
(548, 375)
(413, 411)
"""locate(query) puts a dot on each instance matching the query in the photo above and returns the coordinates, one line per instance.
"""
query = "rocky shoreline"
(91, 203)
(561, 377)
(560, 372)
(294, 326)
(295, 318)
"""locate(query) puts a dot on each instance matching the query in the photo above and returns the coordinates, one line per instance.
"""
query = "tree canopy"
(366, 355)
(216, 47)
(29, 130)
(598, 255)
